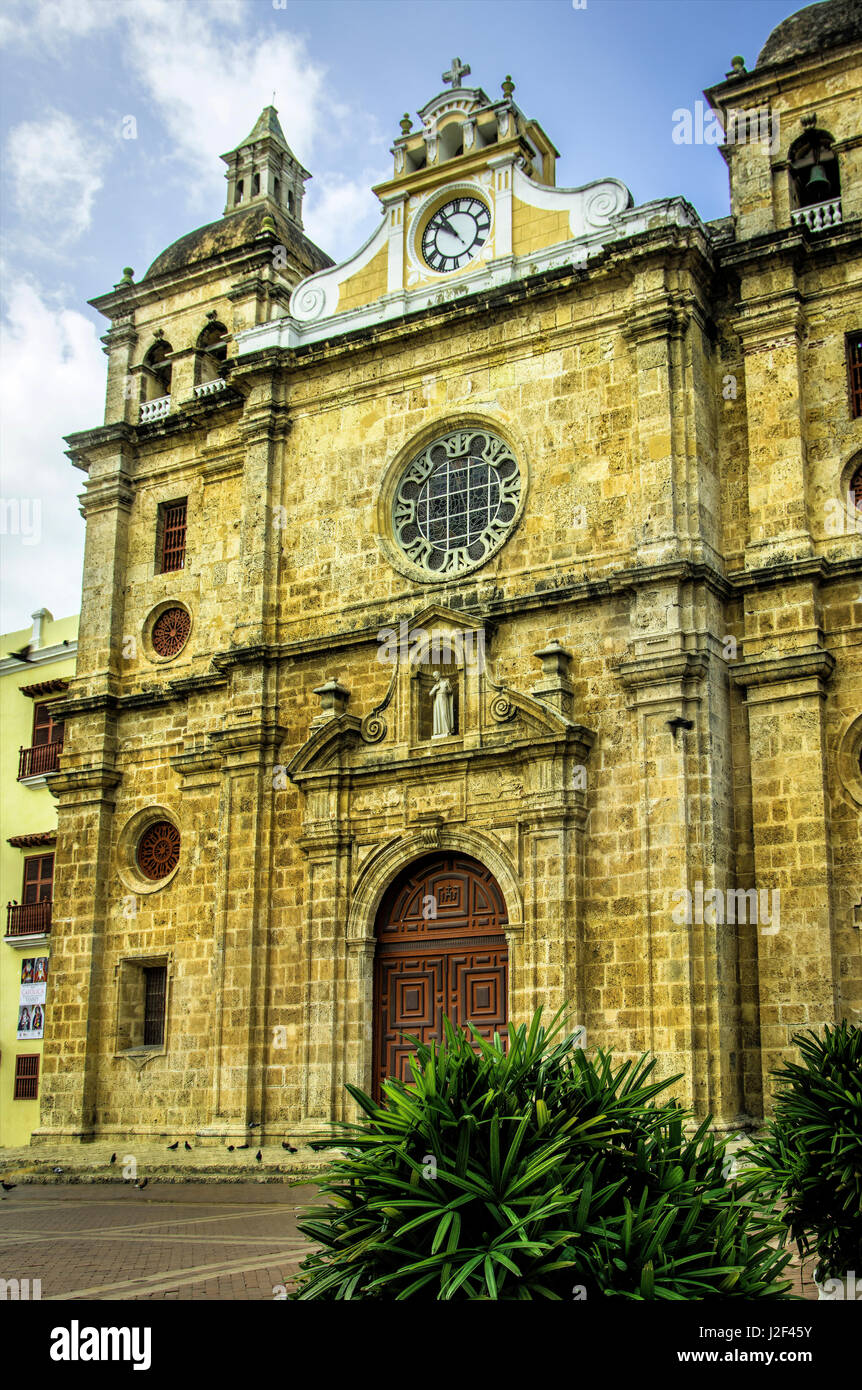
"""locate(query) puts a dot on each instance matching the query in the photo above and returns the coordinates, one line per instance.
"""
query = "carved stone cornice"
(199, 767)
(107, 494)
(663, 668)
(770, 321)
(813, 666)
(664, 318)
(104, 437)
(257, 736)
(81, 782)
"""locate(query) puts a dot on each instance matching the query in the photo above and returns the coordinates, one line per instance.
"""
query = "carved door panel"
(441, 952)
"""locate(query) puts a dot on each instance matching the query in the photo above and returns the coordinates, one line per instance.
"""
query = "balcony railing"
(28, 919)
(210, 388)
(155, 410)
(36, 762)
(819, 216)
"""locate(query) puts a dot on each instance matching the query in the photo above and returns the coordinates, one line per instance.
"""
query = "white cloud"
(56, 171)
(52, 382)
(50, 22)
(209, 80)
(340, 213)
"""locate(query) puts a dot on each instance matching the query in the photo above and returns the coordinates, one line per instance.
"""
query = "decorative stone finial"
(267, 225)
(333, 701)
(737, 66)
(508, 86)
(406, 123)
(456, 72)
(555, 687)
(128, 275)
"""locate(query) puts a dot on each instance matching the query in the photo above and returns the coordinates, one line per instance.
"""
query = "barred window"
(26, 1076)
(172, 535)
(854, 373)
(155, 989)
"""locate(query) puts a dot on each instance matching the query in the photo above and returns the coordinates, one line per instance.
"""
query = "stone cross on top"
(456, 72)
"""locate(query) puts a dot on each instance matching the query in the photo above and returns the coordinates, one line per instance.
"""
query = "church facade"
(473, 625)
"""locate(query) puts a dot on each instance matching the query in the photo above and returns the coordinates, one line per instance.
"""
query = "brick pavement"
(193, 1241)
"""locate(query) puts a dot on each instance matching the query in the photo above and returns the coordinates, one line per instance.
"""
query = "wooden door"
(441, 951)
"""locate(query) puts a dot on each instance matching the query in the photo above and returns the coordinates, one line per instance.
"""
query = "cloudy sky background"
(80, 201)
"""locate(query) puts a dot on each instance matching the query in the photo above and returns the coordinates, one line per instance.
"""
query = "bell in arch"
(818, 186)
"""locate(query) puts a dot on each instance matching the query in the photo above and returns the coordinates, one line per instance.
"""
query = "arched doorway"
(441, 950)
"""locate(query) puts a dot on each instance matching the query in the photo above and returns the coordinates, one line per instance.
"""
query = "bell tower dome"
(263, 168)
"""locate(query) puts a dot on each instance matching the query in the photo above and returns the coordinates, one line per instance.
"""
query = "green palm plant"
(809, 1160)
(531, 1173)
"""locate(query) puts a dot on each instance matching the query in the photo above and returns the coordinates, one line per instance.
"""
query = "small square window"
(171, 536)
(142, 1004)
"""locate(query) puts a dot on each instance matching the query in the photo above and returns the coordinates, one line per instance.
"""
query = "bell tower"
(264, 168)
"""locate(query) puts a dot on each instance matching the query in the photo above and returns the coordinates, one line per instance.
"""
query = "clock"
(455, 233)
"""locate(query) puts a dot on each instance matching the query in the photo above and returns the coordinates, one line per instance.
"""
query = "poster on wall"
(31, 1002)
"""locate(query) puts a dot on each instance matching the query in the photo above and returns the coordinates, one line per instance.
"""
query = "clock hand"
(445, 223)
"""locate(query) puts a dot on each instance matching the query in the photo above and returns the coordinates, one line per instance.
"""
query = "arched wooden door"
(441, 950)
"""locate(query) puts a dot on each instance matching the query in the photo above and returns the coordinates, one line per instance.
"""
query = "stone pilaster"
(75, 1015)
(797, 969)
(240, 1041)
(108, 456)
(684, 976)
(771, 328)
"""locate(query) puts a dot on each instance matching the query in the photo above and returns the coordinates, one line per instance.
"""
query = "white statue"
(444, 718)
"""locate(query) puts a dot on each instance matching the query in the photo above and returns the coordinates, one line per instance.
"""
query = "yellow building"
(36, 666)
(473, 625)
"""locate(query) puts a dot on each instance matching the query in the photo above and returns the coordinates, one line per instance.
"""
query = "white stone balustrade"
(155, 410)
(210, 388)
(819, 216)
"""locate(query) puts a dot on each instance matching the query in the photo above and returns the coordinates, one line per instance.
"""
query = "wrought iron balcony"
(40, 760)
(155, 410)
(28, 919)
(819, 216)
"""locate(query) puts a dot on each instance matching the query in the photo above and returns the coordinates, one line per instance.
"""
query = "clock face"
(455, 234)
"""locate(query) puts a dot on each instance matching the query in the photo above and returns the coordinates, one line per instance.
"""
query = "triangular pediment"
(451, 617)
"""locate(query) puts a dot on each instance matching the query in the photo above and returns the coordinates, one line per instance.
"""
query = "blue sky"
(80, 199)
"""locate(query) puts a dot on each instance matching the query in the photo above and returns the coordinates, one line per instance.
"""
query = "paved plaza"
(170, 1241)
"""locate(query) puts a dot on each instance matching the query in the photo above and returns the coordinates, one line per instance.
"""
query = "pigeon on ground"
(113, 1158)
(141, 1185)
(259, 1156)
(188, 1145)
(7, 1186)
(57, 1170)
(289, 1147)
(230, 1148)
(174, 1146)
(243, 1146)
